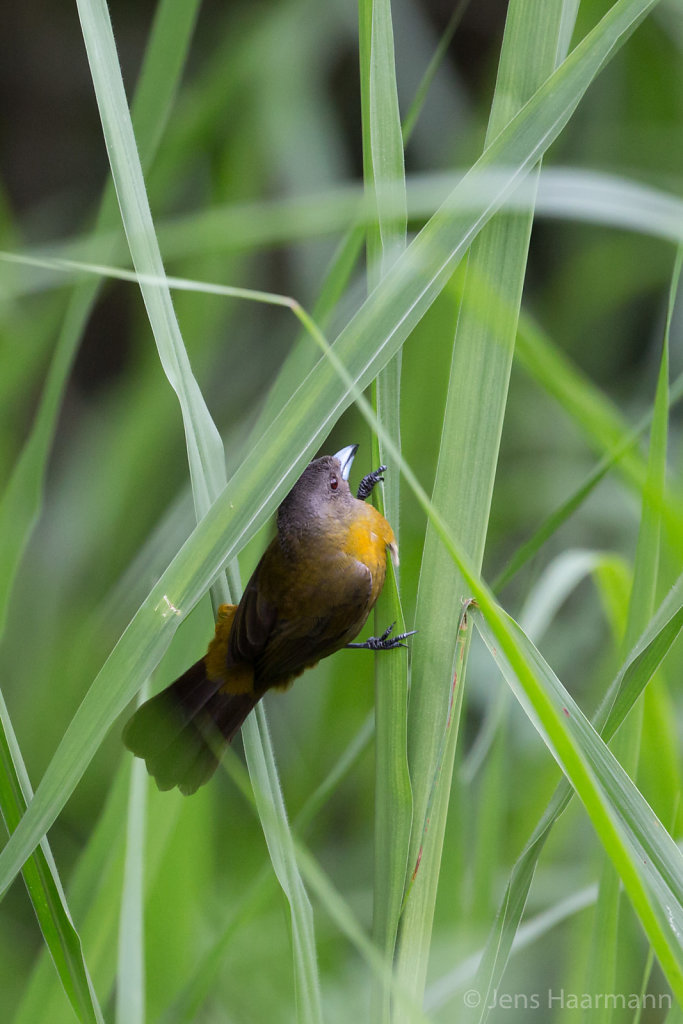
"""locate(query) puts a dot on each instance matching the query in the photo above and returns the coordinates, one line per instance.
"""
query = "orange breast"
(367, 540)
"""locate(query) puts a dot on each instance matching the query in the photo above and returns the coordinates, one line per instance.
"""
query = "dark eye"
(334, 483)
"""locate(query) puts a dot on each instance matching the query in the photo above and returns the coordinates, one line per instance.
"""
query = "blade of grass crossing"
(384, 178)
(365, 346)
(480, 369)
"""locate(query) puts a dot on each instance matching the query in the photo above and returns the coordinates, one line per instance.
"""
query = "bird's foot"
(368, 482)
(384, 642)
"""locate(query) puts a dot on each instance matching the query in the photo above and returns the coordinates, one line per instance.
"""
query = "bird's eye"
(334, 482)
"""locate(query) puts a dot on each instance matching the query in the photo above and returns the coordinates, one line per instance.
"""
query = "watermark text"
(563, 999)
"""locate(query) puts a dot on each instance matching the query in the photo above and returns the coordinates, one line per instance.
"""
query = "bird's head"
(320, 495)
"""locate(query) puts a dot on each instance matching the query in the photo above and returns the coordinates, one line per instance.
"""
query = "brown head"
(320, 497)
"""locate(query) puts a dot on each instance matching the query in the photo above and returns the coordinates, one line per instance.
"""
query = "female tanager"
(308, 597)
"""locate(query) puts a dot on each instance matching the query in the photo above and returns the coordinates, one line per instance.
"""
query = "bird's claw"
(368, 482)
(384, 642)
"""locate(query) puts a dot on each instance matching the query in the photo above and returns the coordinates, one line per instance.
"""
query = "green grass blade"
(602, 957)
(205, 450)
(130, 976)
(280, 842)
(563, 193)
(364, 346)
(204, 447)
(43, 884)
(639, 667)
(95, 889)
(554, 521)
(480, 369)
(646, 567)
(201, 981)
(648, 861)
(334, 904)
(384, 174)
(445, 40)
(603, 425)
(603, 960)
(384, 179)
(440, 992)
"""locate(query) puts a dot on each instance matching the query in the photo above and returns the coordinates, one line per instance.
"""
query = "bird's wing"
(254, 619)
(320, 625)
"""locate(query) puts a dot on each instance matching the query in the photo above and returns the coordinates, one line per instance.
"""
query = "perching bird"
(308, 597)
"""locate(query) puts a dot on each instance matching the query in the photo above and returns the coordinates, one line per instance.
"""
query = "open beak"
(345, 458)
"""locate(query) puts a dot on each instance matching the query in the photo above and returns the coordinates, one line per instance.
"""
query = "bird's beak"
(345, 457)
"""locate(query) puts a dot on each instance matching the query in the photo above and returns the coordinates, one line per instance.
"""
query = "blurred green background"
(268, 114)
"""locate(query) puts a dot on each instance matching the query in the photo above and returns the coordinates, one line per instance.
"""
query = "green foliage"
(416, 888)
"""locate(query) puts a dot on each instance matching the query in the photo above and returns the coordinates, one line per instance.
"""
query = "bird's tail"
(182, 732)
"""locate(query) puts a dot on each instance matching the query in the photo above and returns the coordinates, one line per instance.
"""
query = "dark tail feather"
(182, 732)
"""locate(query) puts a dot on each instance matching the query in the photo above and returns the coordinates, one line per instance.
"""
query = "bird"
(308, 597)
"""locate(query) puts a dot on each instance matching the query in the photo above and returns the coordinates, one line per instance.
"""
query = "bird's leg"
(368, 482)
(383, 642)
